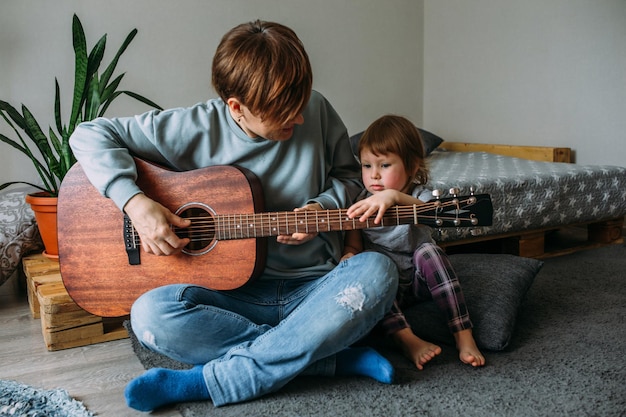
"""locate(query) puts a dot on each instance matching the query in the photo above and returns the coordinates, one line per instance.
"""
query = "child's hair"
(264, 65)
(397, 135)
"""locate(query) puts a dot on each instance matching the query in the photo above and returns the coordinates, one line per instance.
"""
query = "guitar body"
(93, 259)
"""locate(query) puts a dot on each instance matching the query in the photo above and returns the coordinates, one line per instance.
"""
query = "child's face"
(383, 172)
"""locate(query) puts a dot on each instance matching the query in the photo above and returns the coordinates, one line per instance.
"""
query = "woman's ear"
(235, 107)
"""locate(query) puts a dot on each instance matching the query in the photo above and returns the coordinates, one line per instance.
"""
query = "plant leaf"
(92, 104)
(108, 102)
(8, 184)
(13, 143)
(13, 114)
(80, 70)
(95, 56)
(56, 143)
(41, 141)
(57, 106)
(42, 170)
(111, 88)
(108, 72)
(62, 146)
(142, 99)
(93, 63)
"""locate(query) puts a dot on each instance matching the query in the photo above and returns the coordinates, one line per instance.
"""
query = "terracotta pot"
(45, 208)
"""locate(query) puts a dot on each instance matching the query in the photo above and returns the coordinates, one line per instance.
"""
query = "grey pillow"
(494, 286)
(430, 140)
(18, 231)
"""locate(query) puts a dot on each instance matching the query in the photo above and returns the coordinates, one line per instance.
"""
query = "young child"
(394, 173)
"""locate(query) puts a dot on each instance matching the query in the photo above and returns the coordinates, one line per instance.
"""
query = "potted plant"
(51, 155)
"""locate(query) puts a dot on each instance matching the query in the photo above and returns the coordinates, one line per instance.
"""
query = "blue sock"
(364, 361)
(160, 386)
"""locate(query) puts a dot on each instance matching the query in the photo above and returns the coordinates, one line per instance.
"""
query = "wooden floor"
(95, 374)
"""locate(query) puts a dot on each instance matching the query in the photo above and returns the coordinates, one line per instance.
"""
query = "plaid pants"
(434, 279)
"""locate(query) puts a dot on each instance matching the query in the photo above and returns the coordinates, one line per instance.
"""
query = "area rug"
(566, 358)
(19, 400)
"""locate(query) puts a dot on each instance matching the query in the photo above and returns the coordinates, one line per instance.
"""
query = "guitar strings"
(231, 226)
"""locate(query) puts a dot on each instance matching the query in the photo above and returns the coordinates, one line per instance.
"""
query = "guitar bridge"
(131, 241)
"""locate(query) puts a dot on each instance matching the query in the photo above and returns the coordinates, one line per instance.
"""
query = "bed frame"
(539, 243)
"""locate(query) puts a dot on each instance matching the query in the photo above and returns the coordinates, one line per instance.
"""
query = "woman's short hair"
(263, 65)
(397, 135)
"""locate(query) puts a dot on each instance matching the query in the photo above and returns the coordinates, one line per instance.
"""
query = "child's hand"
(376, 204)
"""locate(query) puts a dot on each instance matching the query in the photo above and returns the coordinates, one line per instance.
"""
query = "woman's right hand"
(152, 222)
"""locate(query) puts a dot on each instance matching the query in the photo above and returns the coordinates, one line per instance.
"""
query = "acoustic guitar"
(104, 268)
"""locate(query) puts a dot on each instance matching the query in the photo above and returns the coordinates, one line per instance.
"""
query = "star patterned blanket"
(527, 194)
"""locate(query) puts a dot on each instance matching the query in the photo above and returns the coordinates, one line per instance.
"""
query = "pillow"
(494, 286)
(18, 232)
(430, 141)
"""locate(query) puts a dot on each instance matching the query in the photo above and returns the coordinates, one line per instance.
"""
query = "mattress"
(527, 194)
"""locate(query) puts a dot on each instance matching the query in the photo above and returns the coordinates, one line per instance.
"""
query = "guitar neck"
(441, 213)
(243, 226)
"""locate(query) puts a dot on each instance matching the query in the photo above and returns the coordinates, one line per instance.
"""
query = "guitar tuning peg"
(436, 193)
(454, 191)
(472, 190)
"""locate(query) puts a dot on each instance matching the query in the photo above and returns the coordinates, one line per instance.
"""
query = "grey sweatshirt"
(315, 165)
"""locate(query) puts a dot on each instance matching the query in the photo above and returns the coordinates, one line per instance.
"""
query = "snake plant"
(94, 92)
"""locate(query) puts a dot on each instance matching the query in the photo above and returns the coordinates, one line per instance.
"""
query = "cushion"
(494, 286)
(430, 141)
(18, 231)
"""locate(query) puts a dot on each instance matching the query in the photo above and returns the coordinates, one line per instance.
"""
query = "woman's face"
(254, 127)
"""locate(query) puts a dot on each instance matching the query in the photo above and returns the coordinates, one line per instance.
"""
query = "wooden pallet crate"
(39, 270)
(544, 243)
(63, 323)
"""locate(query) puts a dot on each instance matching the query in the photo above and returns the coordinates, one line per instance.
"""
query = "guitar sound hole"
(201, 233)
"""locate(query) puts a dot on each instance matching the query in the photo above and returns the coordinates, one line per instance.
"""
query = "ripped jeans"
(255, 339)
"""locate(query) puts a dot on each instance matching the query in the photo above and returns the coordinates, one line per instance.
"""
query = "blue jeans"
(255, 339)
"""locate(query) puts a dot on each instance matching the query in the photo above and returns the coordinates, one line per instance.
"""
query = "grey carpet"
(567, 358)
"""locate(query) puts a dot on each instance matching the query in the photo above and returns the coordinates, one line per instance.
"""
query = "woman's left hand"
(299, 238)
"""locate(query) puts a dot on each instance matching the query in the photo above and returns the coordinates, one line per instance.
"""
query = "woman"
(307, 307)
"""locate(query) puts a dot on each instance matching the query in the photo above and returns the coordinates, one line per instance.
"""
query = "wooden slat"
(38, 270)
(532, 243)
(535, 153)
(53, 343)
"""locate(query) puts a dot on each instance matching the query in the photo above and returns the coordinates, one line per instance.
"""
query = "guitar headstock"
(457, 211)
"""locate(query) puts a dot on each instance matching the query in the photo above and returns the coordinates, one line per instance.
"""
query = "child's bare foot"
(417, 350)
(468, 351)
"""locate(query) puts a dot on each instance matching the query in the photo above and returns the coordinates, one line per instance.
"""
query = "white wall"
(366, 54)
(529, 72)
(519, 72)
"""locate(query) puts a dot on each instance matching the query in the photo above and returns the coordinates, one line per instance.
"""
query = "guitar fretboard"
(243, 226)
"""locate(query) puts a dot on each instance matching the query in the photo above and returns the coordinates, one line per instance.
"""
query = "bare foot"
(417, 350)
(468, 351)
